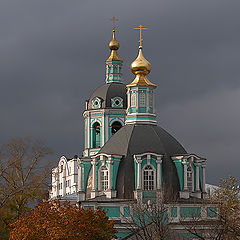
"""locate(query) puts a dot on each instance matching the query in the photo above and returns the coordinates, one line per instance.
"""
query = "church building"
(127, 156)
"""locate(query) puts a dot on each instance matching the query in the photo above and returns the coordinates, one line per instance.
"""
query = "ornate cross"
(140, 28)
(114, 19)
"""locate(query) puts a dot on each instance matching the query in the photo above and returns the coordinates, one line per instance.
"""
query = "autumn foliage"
(52, 220)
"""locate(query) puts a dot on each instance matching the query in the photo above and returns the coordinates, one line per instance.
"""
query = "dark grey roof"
(137, 139)
(108, 91)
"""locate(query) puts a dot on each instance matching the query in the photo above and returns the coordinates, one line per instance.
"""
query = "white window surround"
(157, 177)
(190, 178)
(148, 184)
(133, 99)
(103, 176)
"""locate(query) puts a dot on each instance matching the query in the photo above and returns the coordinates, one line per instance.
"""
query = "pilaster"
(94, 192)
(159, 172)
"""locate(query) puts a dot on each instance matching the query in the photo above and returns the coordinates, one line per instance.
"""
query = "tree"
(55, 220)
(227, 196)
(150, 220)
(23, 178)
(226, 225)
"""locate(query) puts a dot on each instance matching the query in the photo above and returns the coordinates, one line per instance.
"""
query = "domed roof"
(107, 92)
(137, 139)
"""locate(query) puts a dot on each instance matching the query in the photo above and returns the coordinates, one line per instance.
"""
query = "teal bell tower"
(114, 62)
(140, 91)
(105, 111)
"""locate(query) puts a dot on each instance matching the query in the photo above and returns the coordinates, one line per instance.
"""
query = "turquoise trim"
(190, 212)
(149, 195)
(174, 212)
(111, 211)
(97, 169)
(142, 110)
(106, 114)
(86, 207)
(180, 172)
(86, 169)
(114, 173)
(133, 109)
(211, 212)
(122, 235)
(148, 117)
(126, 211)
(114, 71)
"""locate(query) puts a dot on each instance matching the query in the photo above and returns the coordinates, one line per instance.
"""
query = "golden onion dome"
(114, 44)
(140, 65)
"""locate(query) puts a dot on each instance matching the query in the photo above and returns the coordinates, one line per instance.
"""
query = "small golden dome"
(114, 44)
(140, 65)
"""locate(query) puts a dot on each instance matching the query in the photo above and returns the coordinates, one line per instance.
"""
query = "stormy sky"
(52, 57)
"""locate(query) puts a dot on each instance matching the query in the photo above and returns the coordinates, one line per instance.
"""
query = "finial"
(114, 19)
(140, 28)
(114, 45)
(140, 66)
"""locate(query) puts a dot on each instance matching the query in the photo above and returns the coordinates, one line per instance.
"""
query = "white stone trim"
(154, 176)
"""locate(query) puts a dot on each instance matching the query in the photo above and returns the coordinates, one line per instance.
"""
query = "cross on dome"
(114, 22)
(140, 28)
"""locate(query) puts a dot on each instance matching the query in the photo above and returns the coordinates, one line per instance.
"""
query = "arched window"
(189, 178)
(104, 178)
(148, 178)
(96, 135)
(133, 99)
(116, 126)
(142, 99)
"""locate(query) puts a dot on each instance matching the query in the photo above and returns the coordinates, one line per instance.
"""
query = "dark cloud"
(52, 57)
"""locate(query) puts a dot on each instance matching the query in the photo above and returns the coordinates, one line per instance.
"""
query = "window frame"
(153, 180)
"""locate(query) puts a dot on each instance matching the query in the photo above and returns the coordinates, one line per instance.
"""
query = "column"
(57, 182)
(137, 100)
(159, 175)
(80, 175)
(153, 103)
(128, 100)
(94, 163)
(203, 177)
(88, 131)
(147, 102)
(185, 188)
(139, 173)
(103, 129)
(64, 180)
(197, 176)
(109, 162)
